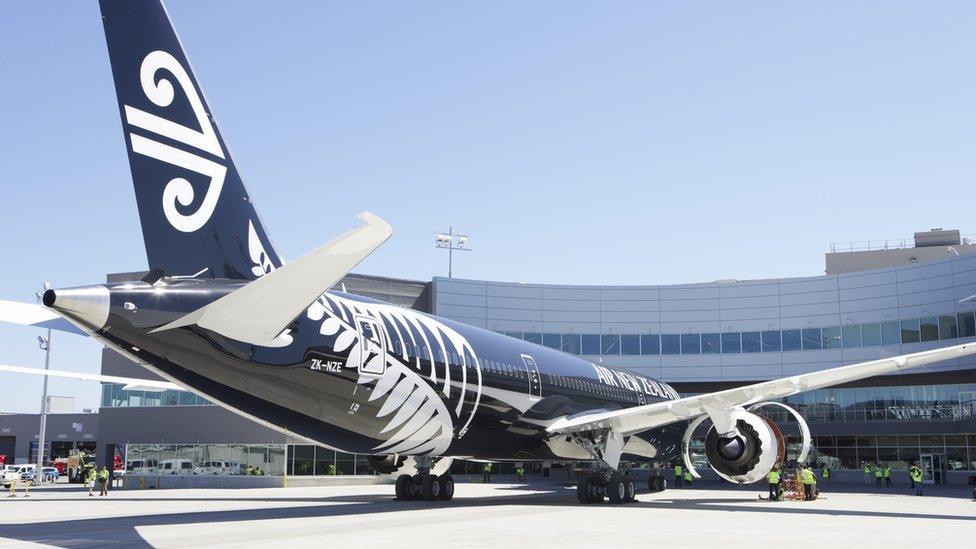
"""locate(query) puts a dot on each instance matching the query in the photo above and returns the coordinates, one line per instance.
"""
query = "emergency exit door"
(372, 358)
(532, 372)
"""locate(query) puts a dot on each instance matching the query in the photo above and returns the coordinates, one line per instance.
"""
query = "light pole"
(45, 344)
(451, 242)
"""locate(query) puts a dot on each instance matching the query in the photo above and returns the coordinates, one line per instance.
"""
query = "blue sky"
(577, 142)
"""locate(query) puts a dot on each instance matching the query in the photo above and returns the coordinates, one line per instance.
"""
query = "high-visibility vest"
(677, 470)
(867, 469)
(688, 476)
(102, 475)
(807, 477)
(773, 477)
(487, 468)
(887, 472)
(826, 473)
(878, 473)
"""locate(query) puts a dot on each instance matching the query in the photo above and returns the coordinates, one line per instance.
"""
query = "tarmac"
(537, 515)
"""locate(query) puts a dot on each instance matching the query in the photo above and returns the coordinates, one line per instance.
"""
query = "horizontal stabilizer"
(29, 314)
(261, 310)
(130, 382)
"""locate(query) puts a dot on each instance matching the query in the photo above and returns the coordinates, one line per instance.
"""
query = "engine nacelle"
(748, 456)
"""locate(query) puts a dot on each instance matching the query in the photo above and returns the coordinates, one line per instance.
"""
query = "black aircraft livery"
(221, 314)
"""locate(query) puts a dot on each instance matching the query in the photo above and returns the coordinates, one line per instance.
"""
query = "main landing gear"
(425, 486)
(615, 486)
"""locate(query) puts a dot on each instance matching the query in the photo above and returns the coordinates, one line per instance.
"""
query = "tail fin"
(196, 214)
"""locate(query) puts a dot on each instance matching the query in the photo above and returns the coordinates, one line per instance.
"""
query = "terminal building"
(875, 300)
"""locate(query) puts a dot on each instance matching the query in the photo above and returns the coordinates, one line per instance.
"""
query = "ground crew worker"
(878, 474)
(916, 474)
(887, 475)
(867, 473)
(809, 483)
(520, 473)
(678, 474)
(486, 472)
(826, 475)
(90, 479)
(773, 478)
(103, 481)
(688, 478)
(911, 477)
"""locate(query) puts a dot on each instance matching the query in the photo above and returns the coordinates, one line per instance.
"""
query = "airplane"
(220, 313)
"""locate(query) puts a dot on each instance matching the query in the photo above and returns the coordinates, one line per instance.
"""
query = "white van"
(177, 467)
(141, 467)
(221, 468)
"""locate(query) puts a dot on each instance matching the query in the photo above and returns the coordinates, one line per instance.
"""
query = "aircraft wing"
(642, 418)
(260, 311)
(131, 383)
(29, 314)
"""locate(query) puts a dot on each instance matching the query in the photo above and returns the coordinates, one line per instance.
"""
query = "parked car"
(50, 474)
(8, 474)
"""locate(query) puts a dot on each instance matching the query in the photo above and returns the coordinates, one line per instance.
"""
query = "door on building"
(535, 380)
(932, 468)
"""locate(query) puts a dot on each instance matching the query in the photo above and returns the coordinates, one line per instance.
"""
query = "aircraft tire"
(616, 489)
(584, 490)
(431, 487)
(404, 490)
(630, 489)
(446, 482)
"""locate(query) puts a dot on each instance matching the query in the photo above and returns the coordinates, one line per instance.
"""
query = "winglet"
(259, 312)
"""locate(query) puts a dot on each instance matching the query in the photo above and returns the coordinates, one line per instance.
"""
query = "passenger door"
(371, 346)
(535, 379)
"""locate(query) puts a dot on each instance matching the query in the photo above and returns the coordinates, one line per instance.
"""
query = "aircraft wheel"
(431, 488)
(617, 489)
(404, 487)
(585, 490)
(446, 482)
(630, 489)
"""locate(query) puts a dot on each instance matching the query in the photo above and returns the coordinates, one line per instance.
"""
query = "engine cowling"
(749, 455)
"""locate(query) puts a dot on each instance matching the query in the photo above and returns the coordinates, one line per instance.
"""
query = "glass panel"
(890, 334)
(571, 343)
(811, 339)
(670, 344)
(187, 398)
(711, 343)
(967, 324)
(831, 337)
(533, 338)
(852, 335)
(650, 344)
(750, 342)
(909, 331)
(630, 344)
(516, 335)
(690, 344)
(792, 340)
(324, 461)
(610, 344)
(591, 344)
(930, 328)
(302, 460)
(731, 342)
(772, 341)
(553, 341)
(871, 334)
(947, 327)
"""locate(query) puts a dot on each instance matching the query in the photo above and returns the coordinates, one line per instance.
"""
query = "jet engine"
(752, 450)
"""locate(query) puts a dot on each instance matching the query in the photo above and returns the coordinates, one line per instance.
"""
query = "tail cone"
(86, 306)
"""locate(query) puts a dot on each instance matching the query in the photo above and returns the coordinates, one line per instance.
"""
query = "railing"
(883, 244)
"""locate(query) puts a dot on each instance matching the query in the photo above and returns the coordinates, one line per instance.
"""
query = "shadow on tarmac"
(92, 532)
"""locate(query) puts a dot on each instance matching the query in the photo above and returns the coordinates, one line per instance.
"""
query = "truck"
(79, 463)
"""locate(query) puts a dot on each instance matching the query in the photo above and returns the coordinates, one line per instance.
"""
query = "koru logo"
(161, 93)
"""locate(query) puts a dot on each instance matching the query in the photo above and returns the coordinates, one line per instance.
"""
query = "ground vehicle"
(141, 466)
(78, 465)
(50, 474)
(178, 467)
(221, 468)
(8, 474)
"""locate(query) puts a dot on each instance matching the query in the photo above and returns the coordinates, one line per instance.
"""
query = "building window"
(909, 331)
(831, 337)
(852, 335)
(792, 341)
(690, 344)
(711, 344)
(871, 334)
(929, 328)
(610, 344)
(591, 344)
(890, 333)
(629, 345)
(730, 342)
(947, 327)
(532, 338)
(553, 341)
(772, 341)
(751, 342)
(967, 324)
(571, 343)
(650, 344)
(811, 339)
(670, 344)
